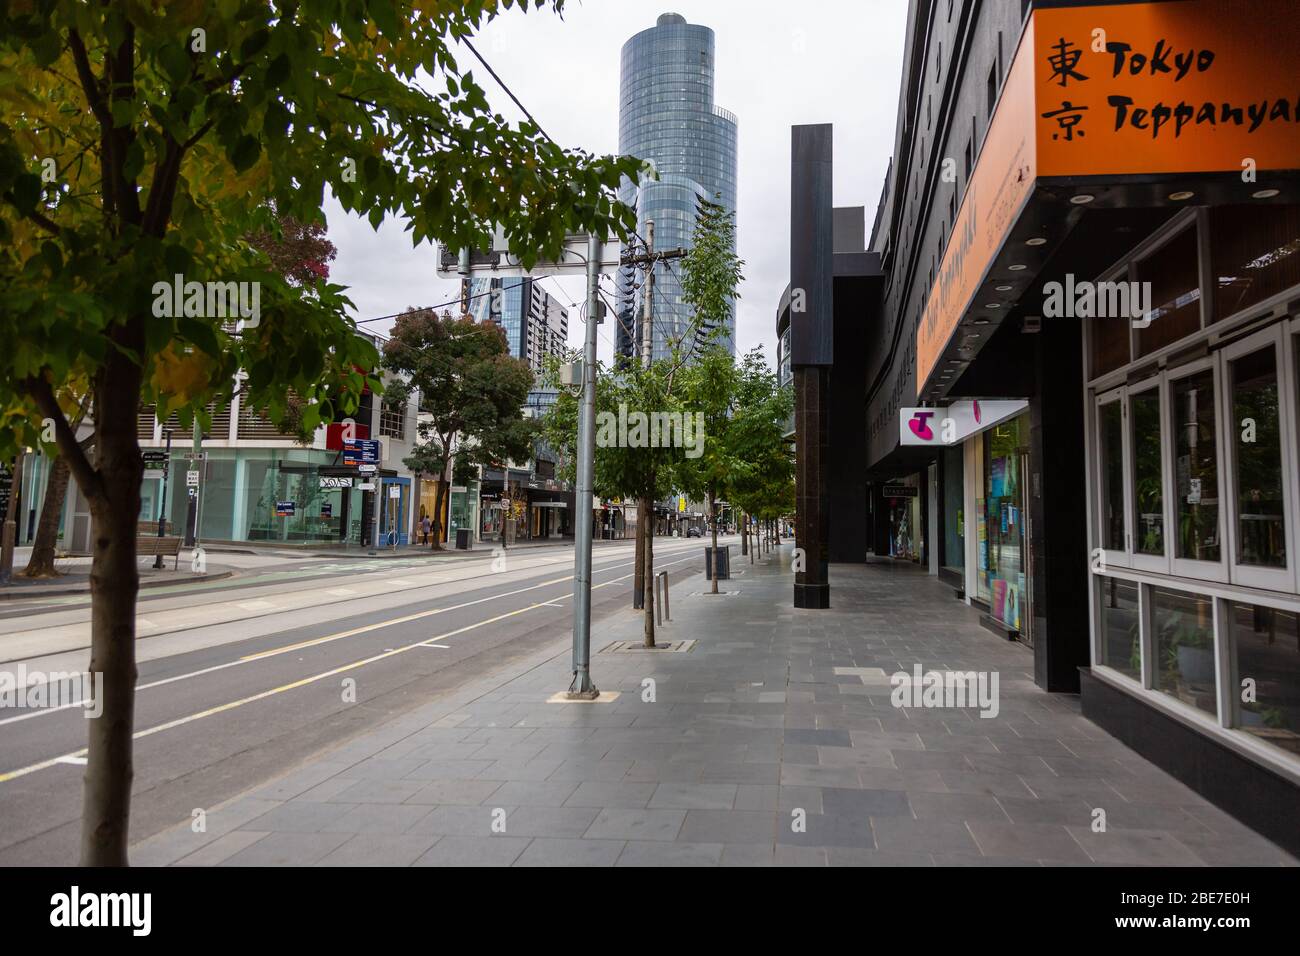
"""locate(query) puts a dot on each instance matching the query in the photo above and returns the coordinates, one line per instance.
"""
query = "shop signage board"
(1171, 89)
(900, 491)
(336, 481)
(953, 424)
(361, 451)
(327, 509)
(285, 509)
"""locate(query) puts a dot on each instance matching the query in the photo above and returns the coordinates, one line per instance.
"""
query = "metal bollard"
(662, 611)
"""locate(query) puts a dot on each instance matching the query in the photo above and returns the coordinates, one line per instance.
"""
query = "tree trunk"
(744, 534)
(114, 584)
(649, 573)
(41, 563)
(436, 525)
(713, 520)
(638, 575)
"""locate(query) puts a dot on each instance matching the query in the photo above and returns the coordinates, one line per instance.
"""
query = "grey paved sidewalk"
(772, 741)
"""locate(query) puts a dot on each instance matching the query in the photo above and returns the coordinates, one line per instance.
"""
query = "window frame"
(1149, 562)
(1272, 579)
(1108, 555)
(1194, 567)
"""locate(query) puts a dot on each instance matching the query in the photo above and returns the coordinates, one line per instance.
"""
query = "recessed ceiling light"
(1002, 288)
(1039, 240)
(981, 321)
(1264, 194)
(1082, 198)
(992, 305)
(1181, 195)
(1016, 268)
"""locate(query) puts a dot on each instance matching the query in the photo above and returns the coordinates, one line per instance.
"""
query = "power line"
(501, 83)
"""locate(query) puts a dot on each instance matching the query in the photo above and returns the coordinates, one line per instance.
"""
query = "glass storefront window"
(954, 520)
(1197, 463)
(1261, 526)
(1266, 652)
(1184, 647)
(1174, 274)
(1121, 645)
(1255, 251)
(1004, 521)
(1110, 344)
(1111, 448)
(1148, 472)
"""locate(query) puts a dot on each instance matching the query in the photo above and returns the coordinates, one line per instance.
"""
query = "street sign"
(367, 486)
(155, 464)
(395, 491)
(499, 263)
(285, 509)
(367, 469)
(361, 451)
(192, 479)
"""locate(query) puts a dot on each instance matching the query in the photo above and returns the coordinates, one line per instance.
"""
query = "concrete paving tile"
(295, 817)
(729, 826)
(623, 823)
(1135, 848)
(288, 849)
(1026, 841)
(532, 793)
(214, 853)
(474, 851)
(464, 792)
(866, 803)
(597, 793)
(1066, 811)
(905, 835)
(638, 853)
(802, 775)
(559, 852)
(957, 807)
(855, 856)
(380, 790)
(372, 849)
(694, 796)
(377, 818)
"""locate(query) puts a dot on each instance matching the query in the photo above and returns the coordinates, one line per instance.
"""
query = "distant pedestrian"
(425, 525)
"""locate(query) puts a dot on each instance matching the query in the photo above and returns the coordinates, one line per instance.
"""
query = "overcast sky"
(778, 64)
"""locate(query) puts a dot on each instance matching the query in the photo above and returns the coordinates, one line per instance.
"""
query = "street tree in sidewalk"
(141, 143)
(472, 393)
(710, 279)
(762, 478)
(626, 466)
(709, 389)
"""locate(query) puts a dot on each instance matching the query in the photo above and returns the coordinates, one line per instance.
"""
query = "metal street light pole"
(582, 688)
(162, 499)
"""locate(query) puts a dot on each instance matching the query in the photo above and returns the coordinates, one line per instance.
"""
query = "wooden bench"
(168, 547)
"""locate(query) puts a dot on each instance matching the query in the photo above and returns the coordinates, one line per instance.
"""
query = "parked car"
(694, 532)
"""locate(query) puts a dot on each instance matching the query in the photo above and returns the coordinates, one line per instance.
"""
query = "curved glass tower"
(667, 116)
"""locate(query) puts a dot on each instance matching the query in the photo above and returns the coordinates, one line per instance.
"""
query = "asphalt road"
(253, 698)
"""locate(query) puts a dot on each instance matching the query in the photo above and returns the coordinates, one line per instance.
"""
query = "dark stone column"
(1058, 538)
(812, 335)
(812, 432)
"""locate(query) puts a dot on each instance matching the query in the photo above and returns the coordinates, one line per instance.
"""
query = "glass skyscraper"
(667, 116)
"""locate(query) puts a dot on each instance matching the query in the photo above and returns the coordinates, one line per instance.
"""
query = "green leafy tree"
(762, 476)
(627, 470)
(471, 389)
(144, 141)
(710, 392)
(711, 273)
